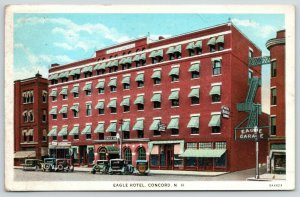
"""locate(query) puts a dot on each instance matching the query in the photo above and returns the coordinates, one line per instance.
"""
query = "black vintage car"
(49, 164)
(32, 164)
(120, 166)
(142, 167)
(101, 166)
(64, 165)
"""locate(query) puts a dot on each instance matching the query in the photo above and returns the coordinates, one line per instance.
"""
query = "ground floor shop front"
(277, 157)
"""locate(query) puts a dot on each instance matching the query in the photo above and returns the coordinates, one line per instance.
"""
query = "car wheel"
(60, 167)
(47, 167)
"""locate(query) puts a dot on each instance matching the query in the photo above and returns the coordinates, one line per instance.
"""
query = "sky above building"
(43, 39)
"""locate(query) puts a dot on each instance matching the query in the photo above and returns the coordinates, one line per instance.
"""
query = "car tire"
(60, 167)
(47, 167)
(93, 172)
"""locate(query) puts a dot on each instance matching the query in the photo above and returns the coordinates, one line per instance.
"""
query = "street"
(21, 175)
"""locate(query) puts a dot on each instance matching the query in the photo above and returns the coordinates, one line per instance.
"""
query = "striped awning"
(140, 77)
(215, 121)
(215, 90)
(75, 72)
(211, 41)
(63, 131)
(87, 130)
(63, 110)
(53, 77)
(112, 127)
(156, 97)
(52, 132)
(139, 100)
(64, 91)
(220, 39)
(100, 105)
(125, 125)
(125, 102)
(194, 68)
(87, 69)
(139, 125)
(63, 75)
(173, 124)
(174, 95)
(174, 71)
(100, 84)
(194, 122)
(53, 93)
(75, 89)
(99, 128)
(75, 107)
(194, 93)
(74, 131)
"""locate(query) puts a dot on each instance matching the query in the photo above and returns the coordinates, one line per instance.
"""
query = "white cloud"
(63, 45)
(262, 31)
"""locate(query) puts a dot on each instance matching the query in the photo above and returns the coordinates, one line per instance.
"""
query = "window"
(195, 74)
(140, 133)
(88, 136)
(113, 110)
(250, 74)
(205, 145)
(156, 81)
(88, 92)
(44, 97)
(220, 145)
(175, 131)
(215, 93)
(140, 84)
(175, 102)
(174, 78)
(198, 51)
(113, 88)
(75, 113)
(65, 115)
(65, 96)
(101, 111)
(76, 137)
(220, 46)
(75, 95)
(76, 76)
(88, 109)
(54, 116)
(216, 67)
(101, 90)
(171, 56)
(44, 116)
(25, 116)
(128, 155)
(273, 125)
(154, 60)
(54, 138)
(126, 86)
(141, 154)
(216, 98)
(215, 129)
(65, 137)
(194, 130)
(126, 135)
(250, 53)
(87, 74)
(31, 138)
(177, 55)
(126, 108)
(212, 48)
(156, 132)
(273, 96)
(156, 104)
(54, 98)
(191, 145)
(140, 106)
(174, 97)
(101, 136)
(273, 69)
(30, 116)
(191, 52)
(195, 100)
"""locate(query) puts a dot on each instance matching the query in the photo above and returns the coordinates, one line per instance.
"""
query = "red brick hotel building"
(162, 98)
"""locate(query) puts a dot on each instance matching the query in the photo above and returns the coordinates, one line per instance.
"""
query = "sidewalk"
(268, 177)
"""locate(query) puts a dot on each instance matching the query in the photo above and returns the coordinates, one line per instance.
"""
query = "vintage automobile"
(32, 164)
(120, 166)
(64, 165)
(49, 164)
(142, 167)
(100, 166)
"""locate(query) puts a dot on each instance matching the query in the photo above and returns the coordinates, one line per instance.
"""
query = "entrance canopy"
(24, 154)
(112, 149)
(214, 153)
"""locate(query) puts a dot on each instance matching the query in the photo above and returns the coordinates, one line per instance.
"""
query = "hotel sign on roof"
(129, 46)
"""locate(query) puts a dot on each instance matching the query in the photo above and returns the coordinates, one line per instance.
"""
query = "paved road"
(21, 175)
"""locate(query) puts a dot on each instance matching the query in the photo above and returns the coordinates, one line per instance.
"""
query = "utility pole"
(120, 136)
(256, 130)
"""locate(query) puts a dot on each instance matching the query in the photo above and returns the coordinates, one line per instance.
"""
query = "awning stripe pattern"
(63, 131)
(100, 105)
(53, 111)
(64, 75)
(112, 127)
(220, 39)
(74, 131)
(87, 69)
(155, 124)
(63, 110)
(87, 130)
(174, 123)
(99, 128)
(52, 132)
(75, 72)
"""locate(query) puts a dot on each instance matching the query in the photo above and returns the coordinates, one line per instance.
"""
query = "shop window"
(178, 161)
(221, 161)
(128, 155)
(191, 161)
(154, 160)
(141, 153)
(191, 145)
(205, 145)
(102, 154)
(220, 145)
(273, 69)
(273, 96)
(140, 133)
(273, 125)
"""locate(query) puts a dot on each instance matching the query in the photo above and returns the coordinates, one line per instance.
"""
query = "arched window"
(25, 117)
(30, 116)
(141, 153)
(128, 155)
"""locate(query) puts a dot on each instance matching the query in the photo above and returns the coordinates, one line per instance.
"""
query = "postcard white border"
(287, 10)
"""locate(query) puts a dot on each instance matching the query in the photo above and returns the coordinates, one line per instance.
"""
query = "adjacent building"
(171, 101)
(277, 152)
(30, 118)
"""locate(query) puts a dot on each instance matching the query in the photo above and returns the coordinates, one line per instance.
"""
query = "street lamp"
(255, 129)
(119, 136)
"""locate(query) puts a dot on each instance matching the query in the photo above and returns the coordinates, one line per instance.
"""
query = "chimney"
(54, 64)
(161, 38)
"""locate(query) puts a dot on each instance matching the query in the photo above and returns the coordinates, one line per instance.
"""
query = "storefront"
(278, 159)
(82, 155)
(59, 149)
(164, 155)
(20, 156)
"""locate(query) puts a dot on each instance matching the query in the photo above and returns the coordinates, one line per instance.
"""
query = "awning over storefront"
(215, 90)
(100, 84)
(52, 132)
(74, 131)
(99, 128)
(75, 107)
(63, 131)
(75, 89)
(139, 125)
(87, 69)
(112, 149)
(194, 68)
(87, 130)
(212, 153)
(194, 122)
(156, 97)
(140, 77)
(180, 142)
(215, 121)
(194, 93)
(139, 100)
(156, 74)
(24, 154)
(112, 127)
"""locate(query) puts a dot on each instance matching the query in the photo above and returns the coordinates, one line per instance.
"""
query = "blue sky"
(43, 39)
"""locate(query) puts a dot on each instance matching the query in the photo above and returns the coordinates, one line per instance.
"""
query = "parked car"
(64, 165)
(101, 166)
(120, 166)
(32, 164)
(142, 167)
(49, 164)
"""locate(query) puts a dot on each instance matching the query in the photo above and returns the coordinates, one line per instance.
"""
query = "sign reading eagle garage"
(250, 134)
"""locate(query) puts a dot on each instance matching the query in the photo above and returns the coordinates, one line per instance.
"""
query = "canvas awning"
(87, 87)
(215, 121)
(143, 56)
(174, 95)
(136, 58)
(174, 123)
(75, 107)
(87, 130)
(125, 102)
(170, 50)
(190, 46)
(24, 154)
(139, 125)
(53, 93)
(112, 127)
(100, 84)
(174, 71)
(140, 77)
(177, 49)
(139, 100)
(194, 122)
(53, 111)
(155, 124)
(75, 72)
(63, 131)
(215, 90)
(125, 125)
(156, 74)
(194, 68)
(152, 54)
(198, 44)
(75, 89)
(52, 132)
(99, 128)
(220, 39)
(74, 131)
(211, 41)
(64, 91)
(87, 69)
(126, 80)
(113, 82)
(112, 103)
(63, 75)
(53, 77)
(112, 149)
(156, 97)
(204, 153)
(63, 110)
(194, 93)
(100, 105)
